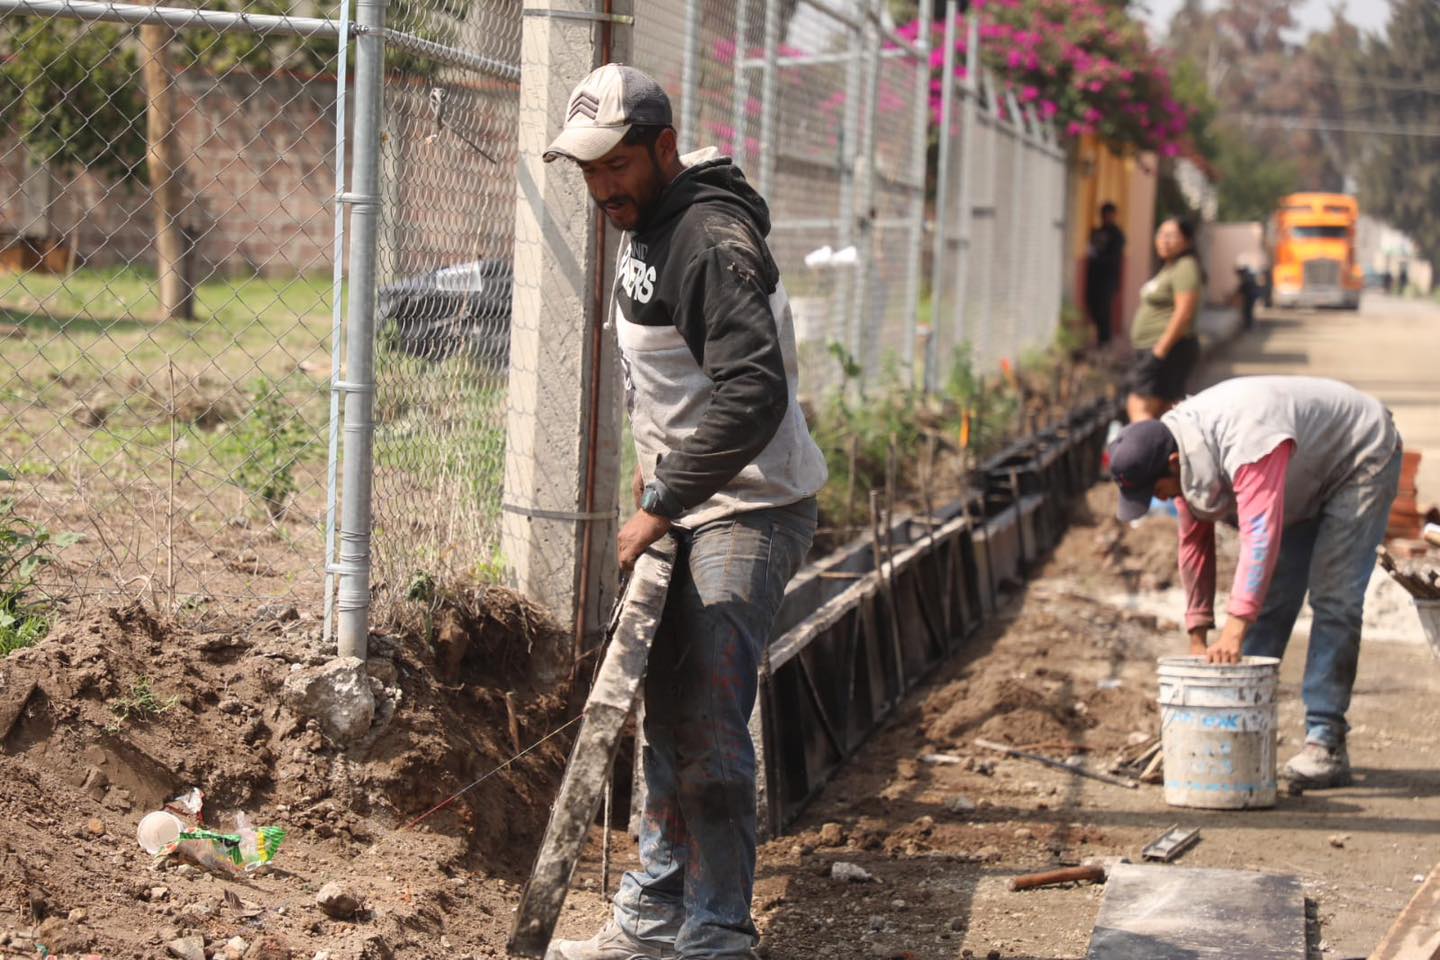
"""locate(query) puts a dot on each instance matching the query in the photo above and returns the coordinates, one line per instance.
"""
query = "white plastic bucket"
(1217, 725)
(1429, 611)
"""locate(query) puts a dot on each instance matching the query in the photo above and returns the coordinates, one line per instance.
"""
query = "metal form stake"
(359, 385)
(337, 296)
(919, 134)
(690, 77)
(940, 254)
(769, 105)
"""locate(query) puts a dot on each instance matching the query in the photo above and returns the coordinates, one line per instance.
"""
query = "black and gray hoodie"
(707, 345)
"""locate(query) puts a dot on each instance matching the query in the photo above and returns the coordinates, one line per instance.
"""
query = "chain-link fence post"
(337, 321)
(861, 316)
(964, 332)
(919, 136)
(943, 187)
(769, 106)
(353, 602)
(549, 426)
(689, 120)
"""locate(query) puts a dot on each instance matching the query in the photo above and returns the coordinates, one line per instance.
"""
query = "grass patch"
(26, 548)
(141, 704)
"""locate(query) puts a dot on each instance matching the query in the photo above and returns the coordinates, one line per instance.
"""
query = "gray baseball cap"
(604, 107)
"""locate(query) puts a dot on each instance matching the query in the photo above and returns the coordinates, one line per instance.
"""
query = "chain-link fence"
(167, 301)
(447, 226)
(239, 377)
(997, 259)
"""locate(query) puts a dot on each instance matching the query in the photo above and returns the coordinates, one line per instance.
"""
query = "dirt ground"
(1066, 669)
(942, 840)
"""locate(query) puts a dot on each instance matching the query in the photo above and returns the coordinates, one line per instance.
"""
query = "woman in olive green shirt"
(1162, 333)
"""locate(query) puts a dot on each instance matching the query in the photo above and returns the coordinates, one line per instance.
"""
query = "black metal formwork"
(852, 641)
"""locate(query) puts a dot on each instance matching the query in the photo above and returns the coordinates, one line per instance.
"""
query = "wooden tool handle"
(1050, 878)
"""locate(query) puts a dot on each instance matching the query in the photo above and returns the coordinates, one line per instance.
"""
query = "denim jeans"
(1332, 555)
(697, 831)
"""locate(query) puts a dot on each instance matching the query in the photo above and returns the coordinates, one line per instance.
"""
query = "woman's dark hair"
(1186, 226)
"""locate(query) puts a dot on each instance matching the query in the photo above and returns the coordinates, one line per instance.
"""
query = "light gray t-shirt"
(1340, 435)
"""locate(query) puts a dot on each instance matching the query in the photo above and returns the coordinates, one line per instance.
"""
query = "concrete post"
(919, 135)
(552, 418)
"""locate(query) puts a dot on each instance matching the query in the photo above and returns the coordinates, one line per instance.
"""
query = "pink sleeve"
(1260, 503)
(1197, 567)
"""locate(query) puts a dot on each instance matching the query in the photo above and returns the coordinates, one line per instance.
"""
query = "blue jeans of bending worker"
(1332, 555)
(697, 830)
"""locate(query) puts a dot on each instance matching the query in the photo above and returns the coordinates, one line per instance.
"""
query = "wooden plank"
(617, 687)
(1170, 913)
(1415, 934)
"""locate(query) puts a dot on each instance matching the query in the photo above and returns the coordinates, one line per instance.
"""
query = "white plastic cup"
(158, 830)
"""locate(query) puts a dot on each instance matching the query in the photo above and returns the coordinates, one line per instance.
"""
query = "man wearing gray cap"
(727, 465)
(1307, 468)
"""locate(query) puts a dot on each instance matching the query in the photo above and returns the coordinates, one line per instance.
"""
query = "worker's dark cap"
(1139, 457)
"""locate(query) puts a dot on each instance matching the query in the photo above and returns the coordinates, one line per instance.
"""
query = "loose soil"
(1065, 669)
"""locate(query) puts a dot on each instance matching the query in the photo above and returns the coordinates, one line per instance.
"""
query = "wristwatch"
(657, 499)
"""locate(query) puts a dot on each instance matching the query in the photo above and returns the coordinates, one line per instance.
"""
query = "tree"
(162, 155)
(1257, 79)
(69, 93)
(1400, 83)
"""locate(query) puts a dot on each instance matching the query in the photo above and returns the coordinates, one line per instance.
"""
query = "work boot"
(1317, 766)
(611, 943)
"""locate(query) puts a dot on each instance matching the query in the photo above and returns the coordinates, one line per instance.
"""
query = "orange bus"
(1312, 252)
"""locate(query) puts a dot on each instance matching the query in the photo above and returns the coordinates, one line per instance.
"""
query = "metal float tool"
(1171, 844)
(617, 686)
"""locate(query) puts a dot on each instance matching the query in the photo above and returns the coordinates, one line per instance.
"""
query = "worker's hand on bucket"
(1198, 637)
(1228, 649)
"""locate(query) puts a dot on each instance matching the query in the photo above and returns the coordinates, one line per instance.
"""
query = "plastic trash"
(158, 830)
(180, 830)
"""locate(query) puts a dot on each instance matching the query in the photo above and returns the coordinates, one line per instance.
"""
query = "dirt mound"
(1106, 555)
(118, 711)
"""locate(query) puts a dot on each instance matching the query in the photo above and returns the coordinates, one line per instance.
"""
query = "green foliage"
(26, 548)
(968, 410)
(270, 439)
(1251, 180)
(141, 704)
(253, 53)
(72, 91)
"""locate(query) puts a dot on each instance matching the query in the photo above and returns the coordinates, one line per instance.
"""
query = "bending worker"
(1308, 468)
(727, 466)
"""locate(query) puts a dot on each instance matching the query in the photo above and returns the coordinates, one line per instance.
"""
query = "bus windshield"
(1319, 233)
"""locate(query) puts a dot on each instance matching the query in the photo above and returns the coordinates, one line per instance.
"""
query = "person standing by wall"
(1104, 259)
(728, 467)
(1166, 348)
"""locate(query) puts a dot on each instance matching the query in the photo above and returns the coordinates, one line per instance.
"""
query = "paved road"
(1390, 348)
